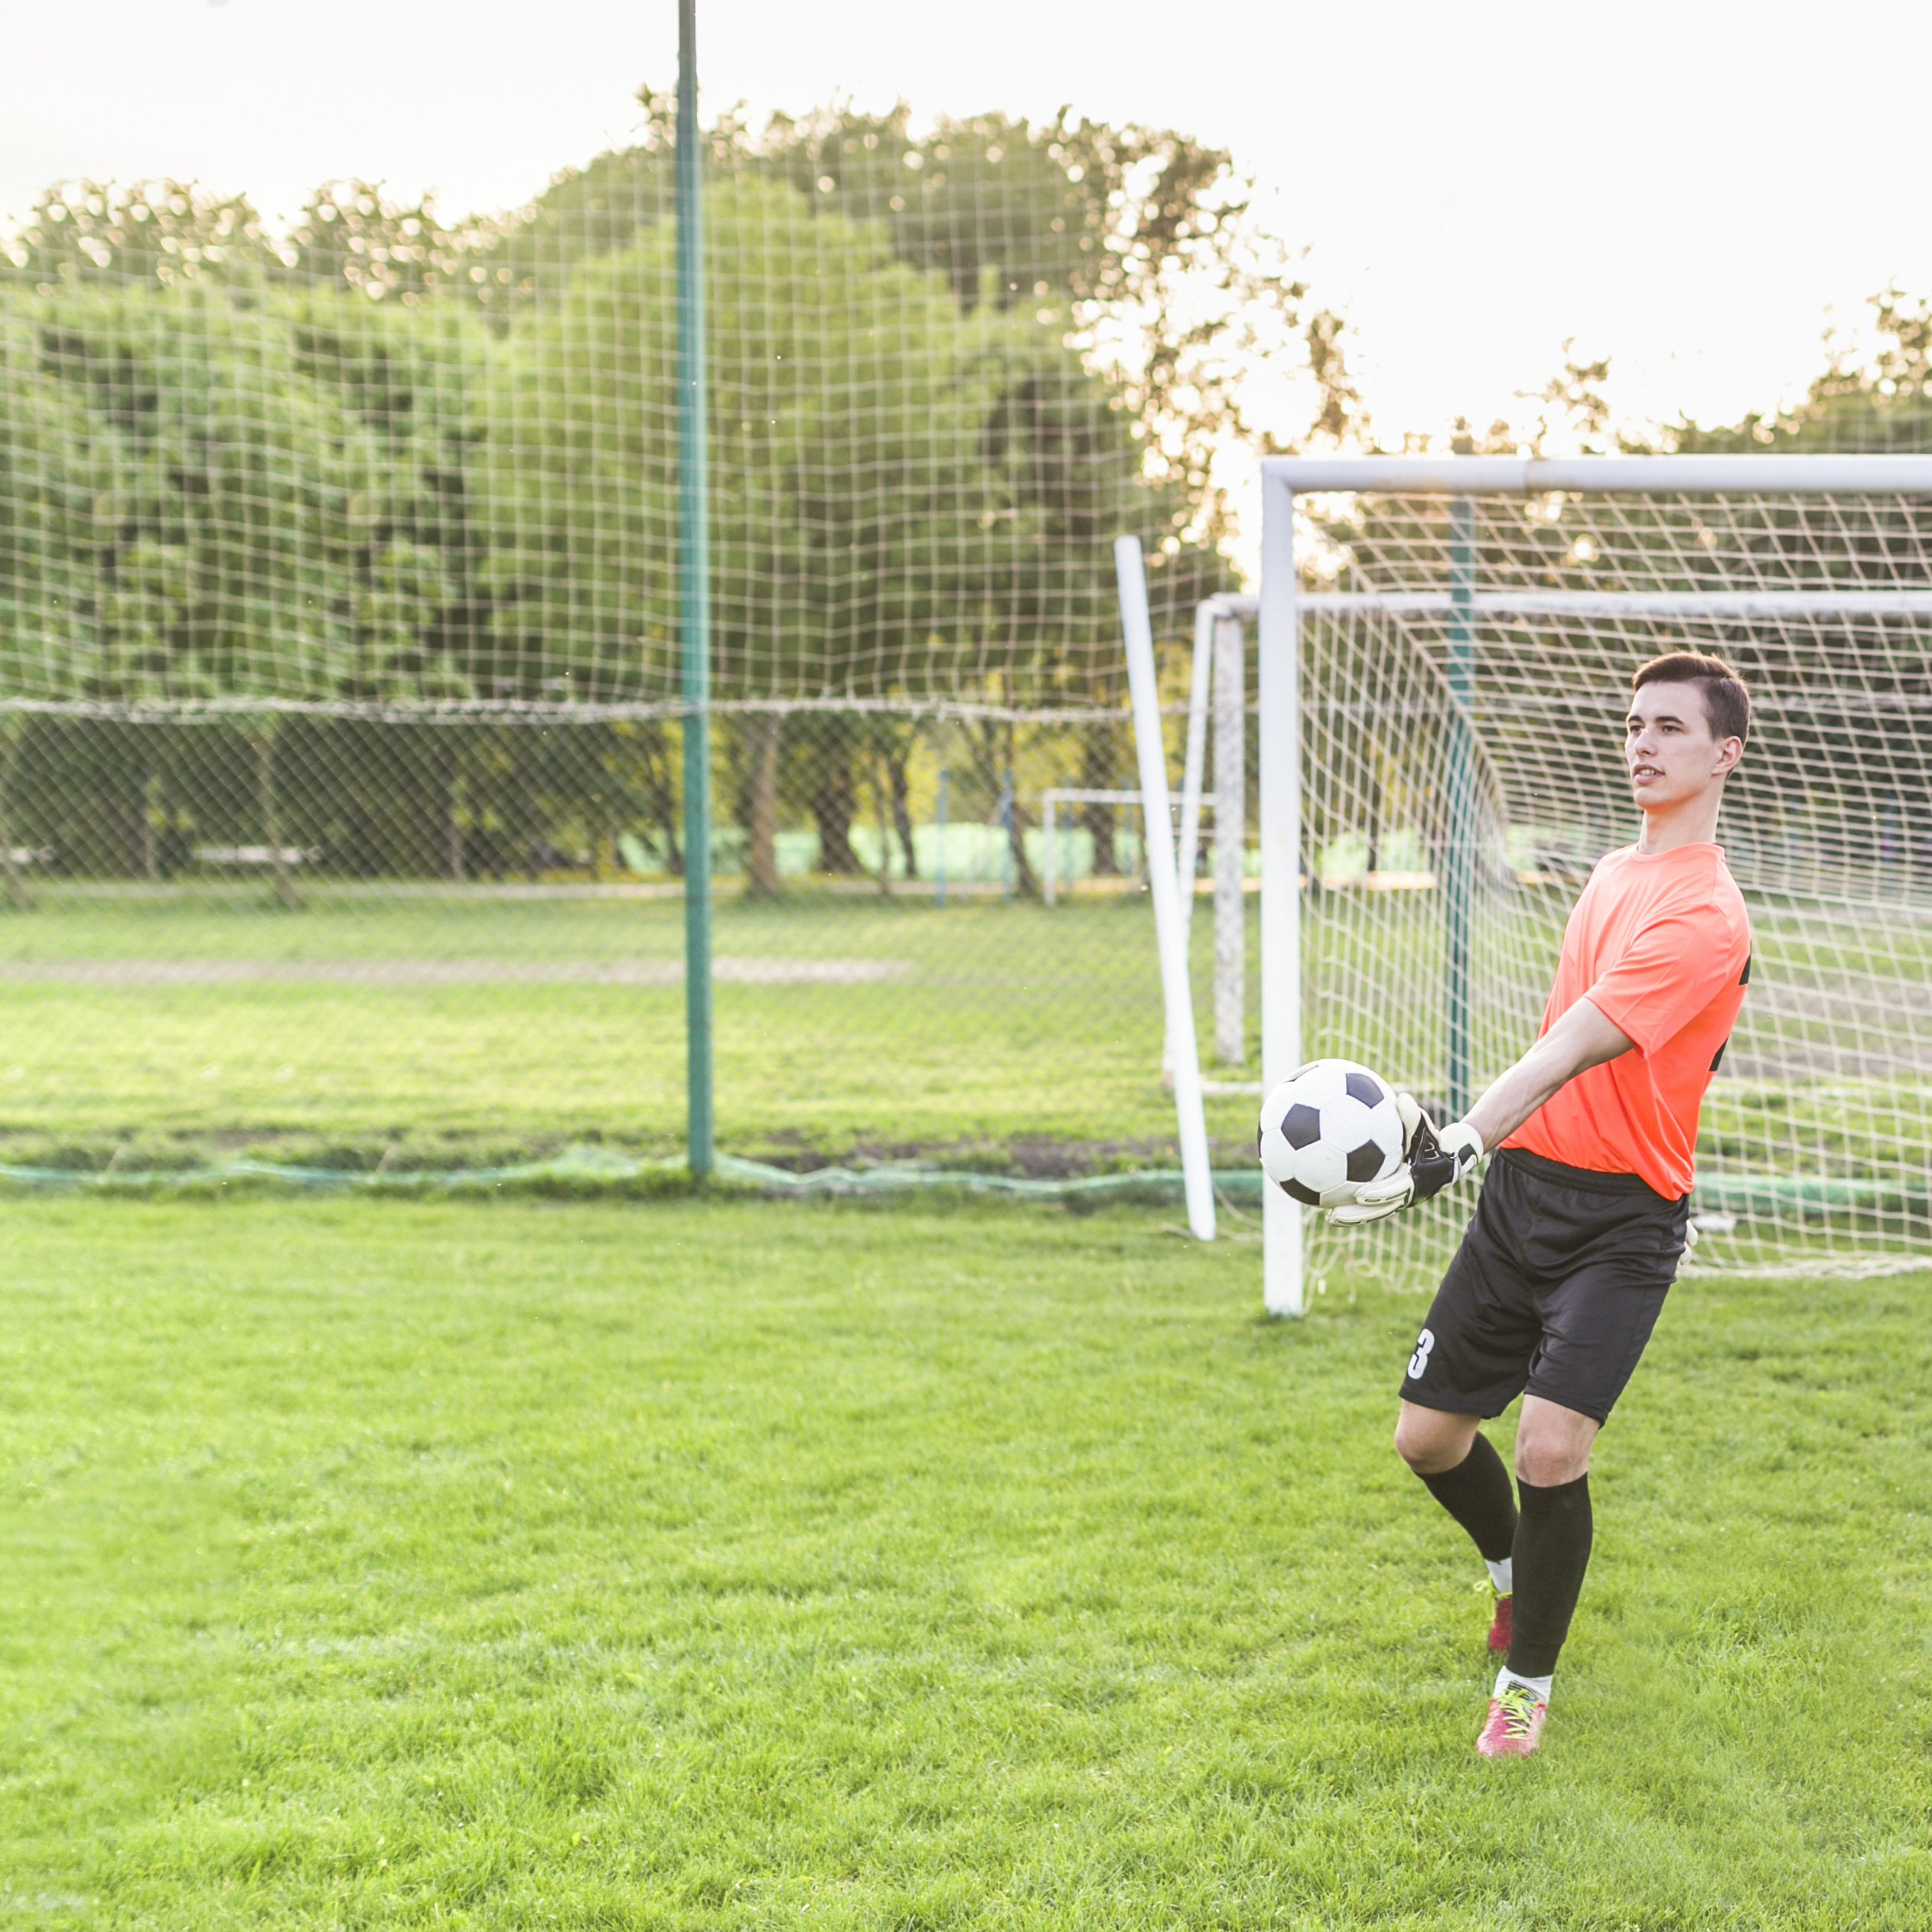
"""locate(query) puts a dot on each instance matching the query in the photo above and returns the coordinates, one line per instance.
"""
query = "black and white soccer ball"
(1328, 1130)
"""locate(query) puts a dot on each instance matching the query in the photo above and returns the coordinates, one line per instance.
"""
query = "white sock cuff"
(1500, 1574)
(1505, 1677)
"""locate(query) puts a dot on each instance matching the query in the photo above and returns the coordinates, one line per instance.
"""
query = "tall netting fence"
(454, 937)
(1466, 669)
(341, 811)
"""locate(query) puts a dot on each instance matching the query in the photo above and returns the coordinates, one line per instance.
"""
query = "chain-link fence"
(353, 941)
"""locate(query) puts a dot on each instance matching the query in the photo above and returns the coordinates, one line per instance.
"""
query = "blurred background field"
(345, 809)
(470, 1025)
(441, 1027)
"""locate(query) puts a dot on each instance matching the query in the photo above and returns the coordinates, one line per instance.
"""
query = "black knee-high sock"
(1476, 1492)
(1552, 1551)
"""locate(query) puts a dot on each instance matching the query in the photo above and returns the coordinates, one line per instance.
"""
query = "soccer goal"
(1445, 645)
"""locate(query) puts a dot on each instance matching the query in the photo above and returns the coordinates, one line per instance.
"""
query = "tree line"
(384, 460)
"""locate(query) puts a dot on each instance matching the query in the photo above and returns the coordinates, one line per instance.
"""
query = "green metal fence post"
(694, 555)
(1459, 842)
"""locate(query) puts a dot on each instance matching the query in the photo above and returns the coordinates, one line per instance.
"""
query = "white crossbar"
(1743, 605)
(1667, 476)
(1056, 795)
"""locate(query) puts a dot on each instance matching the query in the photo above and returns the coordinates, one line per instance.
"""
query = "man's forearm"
(1512, 1097)
(1582, 1038)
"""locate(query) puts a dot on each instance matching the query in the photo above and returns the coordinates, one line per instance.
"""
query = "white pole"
(1280, 744)
(1199, 673)
(1230, 840)
(1170, 934)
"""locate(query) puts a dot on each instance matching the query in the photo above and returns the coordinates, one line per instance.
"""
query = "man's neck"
(1689, 822)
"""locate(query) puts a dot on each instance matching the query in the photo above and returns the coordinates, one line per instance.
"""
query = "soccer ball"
(1327, 1129)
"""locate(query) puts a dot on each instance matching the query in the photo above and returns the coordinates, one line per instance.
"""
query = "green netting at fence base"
(601, 1169)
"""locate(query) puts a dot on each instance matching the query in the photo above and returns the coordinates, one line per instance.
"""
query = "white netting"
(341, 779)
(1817, 1148)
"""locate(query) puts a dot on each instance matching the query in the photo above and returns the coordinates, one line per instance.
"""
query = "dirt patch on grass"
(729, 969)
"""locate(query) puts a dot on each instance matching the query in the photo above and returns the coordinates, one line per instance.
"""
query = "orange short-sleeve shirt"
(1660, 945)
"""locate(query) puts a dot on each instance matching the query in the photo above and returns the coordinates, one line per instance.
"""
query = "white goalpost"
(1217, 683)
(1444, 649)
(1164, 886)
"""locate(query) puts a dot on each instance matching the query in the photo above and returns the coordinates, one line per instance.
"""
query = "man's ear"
(1730, 754)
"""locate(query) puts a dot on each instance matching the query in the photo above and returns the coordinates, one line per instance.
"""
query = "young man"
(1583, 1213)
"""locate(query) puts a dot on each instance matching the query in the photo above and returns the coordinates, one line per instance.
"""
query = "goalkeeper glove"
(1430, 1162)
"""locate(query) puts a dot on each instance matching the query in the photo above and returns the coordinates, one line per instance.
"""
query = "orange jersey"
(1661, 947)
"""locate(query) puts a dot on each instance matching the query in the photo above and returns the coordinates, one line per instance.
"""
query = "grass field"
(999, 1022)
(433, 1026)
(710, 1565)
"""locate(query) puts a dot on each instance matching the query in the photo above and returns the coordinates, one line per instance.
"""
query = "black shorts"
(1559, 1282)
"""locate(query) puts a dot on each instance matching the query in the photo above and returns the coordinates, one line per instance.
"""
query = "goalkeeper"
(1584, 1212)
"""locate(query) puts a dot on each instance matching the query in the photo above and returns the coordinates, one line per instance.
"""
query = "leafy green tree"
(1140, 245)
(412, 376)
(351, 236)
(910, 498)
(159, 232)
(907, 498)
(250, 536)
(1873, 395)
(47, 618)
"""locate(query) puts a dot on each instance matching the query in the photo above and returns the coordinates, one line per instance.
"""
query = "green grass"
(711, 1565)
(1009, 1021)
(1009, 1035)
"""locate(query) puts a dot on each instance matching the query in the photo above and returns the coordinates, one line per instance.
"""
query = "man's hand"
(1430, 1162)
(1583, 1037)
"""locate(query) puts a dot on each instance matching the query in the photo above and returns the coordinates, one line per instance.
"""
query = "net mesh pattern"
(1817, 1148)
(273, 487)
(341, 816)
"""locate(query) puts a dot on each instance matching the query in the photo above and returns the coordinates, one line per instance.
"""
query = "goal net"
(1464, 659)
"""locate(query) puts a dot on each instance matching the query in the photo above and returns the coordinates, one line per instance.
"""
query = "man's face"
(1668, 749)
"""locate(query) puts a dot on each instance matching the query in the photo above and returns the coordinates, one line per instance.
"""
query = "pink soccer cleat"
(1515, 1723)
(1498, 1630)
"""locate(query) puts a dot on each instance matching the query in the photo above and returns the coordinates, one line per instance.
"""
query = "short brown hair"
(1727, 703)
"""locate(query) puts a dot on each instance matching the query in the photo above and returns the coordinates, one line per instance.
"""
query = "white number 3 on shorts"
(1419, 1362)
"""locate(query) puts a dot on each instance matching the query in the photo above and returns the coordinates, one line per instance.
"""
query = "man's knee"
(1545, 1465)
(1431, 1441)
(1553, 1444)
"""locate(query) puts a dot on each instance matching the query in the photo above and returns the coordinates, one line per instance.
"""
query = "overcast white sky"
(1687, 185)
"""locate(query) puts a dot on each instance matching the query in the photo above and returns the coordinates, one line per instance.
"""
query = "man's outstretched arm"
(1581, 1039)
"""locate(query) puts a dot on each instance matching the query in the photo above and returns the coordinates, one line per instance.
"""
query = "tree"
(412, 376)
(161, 233)
(48, 618)
(1138, 245)
(350, 236)
(251, 534)
(907, 498)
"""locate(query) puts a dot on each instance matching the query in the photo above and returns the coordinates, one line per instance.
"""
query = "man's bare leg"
(1432, 1442)
(1553, 1443)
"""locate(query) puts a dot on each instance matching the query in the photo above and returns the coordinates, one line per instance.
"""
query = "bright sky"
(1687, 185)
